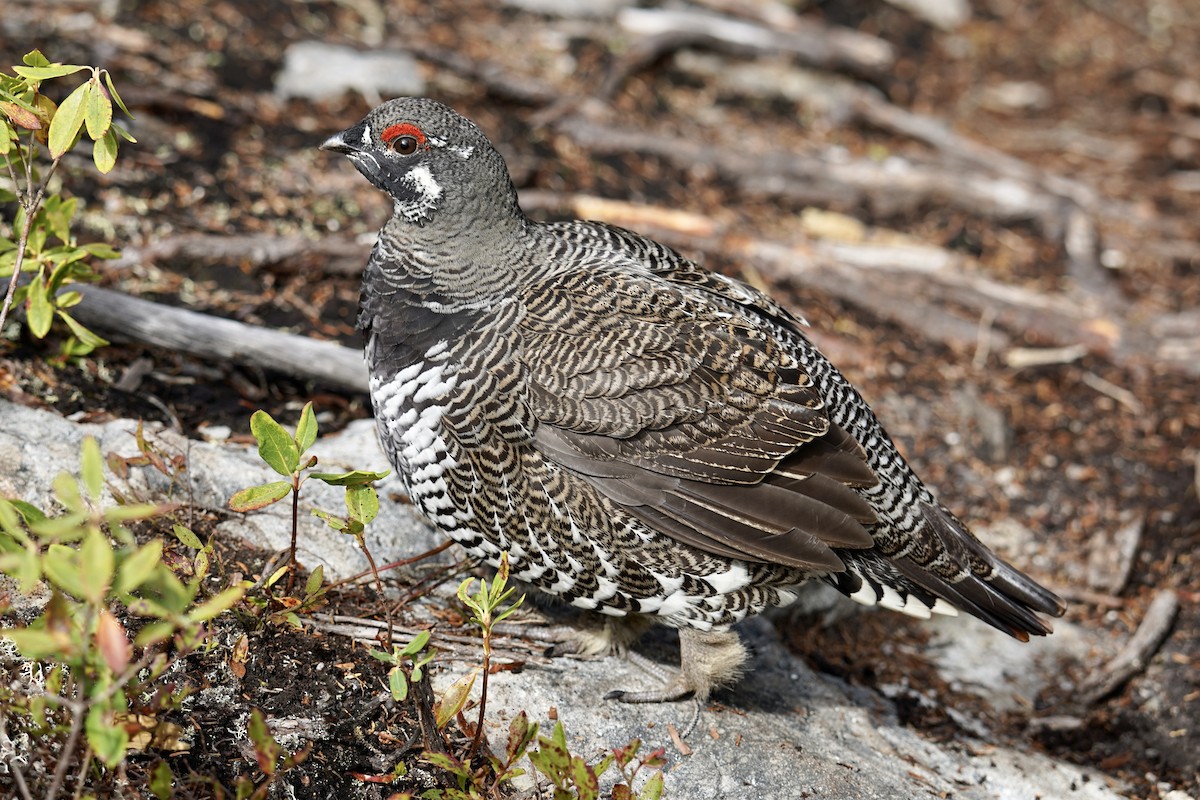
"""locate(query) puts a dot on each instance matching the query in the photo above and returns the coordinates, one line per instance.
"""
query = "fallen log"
(118, 316)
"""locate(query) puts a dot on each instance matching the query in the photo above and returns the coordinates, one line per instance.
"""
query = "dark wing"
(693, 416)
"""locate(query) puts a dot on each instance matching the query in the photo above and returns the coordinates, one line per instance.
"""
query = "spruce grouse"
(644, 437)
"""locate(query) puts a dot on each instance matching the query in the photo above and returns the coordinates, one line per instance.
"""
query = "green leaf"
(380, 655)
(98, 113)
(653, 788)
(107, 737)
(266, 749)
(153, 633)
(398, 684)
(66, 489)
(454, 699)
(362, 502)
(59, 212)
(96, 567)
(275, 445)
(162, 781)
(306, 429)
(68, 120)
(124, 134)
(39, 74)
(355, 478)
(61, 565)
(257, 497)
(112, 90)
(69, 527)
(520, 734)
(443, 760)
(104, 151)
(186, 537)
(332, 520)
(416, 645)
(315, 579)
(101, 250)
(115, 514)
(91, 467)
(138, 566)
(200, 564)
(25, 566)
(28, 511)
(221, 602)
(38, 644)
(34, 58)
(38, 310)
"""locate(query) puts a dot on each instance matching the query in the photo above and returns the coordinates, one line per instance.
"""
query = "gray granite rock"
(783, 732)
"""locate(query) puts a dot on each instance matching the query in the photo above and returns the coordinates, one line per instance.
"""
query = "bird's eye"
(405, 145)
(403, 138)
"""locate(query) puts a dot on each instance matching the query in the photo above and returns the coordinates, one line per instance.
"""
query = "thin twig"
(64, 757)
(404, 562)
(483, 693)
(30, 203)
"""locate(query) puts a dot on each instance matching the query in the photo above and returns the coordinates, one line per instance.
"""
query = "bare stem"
(30, 201)
(64, 757)
(483, 688)
(362, 543)
(295, 529)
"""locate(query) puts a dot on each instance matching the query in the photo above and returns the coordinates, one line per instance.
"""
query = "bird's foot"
(708, 659)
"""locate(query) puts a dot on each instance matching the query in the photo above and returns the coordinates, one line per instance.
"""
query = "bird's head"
(435, 164)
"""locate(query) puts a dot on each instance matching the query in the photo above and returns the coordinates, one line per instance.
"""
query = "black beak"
(337, 144)
(346, 142)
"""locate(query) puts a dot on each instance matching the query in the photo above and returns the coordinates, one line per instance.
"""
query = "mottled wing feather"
(697, 421)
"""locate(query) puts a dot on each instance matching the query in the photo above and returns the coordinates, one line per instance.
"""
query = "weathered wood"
(338, 255)
(809, 41)
(119, 316)
(1136, 654)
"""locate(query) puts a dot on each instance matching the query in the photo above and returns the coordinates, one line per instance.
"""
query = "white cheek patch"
(366, 137)
(427, 189)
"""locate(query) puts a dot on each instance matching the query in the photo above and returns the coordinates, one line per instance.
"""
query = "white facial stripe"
(421, 179)
(428, 191)
(462, 151)
(366, 137)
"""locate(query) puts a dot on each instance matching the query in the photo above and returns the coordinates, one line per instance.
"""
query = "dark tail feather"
(993, 591)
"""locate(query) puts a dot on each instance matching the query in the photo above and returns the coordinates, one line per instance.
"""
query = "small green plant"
(282, 451)
(417, 653)
(487, 607)
(86, 668)
(38, 239)
(484, 780)
(571, 776)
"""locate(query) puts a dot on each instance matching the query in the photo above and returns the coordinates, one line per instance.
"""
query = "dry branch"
(811, 42)
(888, 187)
(1136, 654)
(119, 316)
(338, 255)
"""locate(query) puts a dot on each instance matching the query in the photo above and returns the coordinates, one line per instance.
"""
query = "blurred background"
(989, 213)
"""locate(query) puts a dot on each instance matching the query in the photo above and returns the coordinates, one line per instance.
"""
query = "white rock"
(315, 70)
